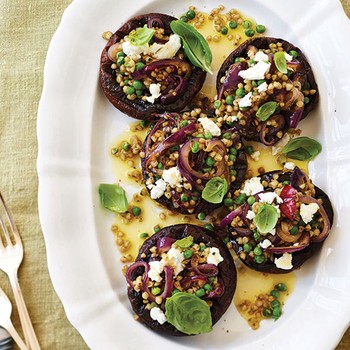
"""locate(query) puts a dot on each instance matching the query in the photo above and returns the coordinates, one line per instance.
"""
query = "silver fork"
(11, 256)
(5, 319)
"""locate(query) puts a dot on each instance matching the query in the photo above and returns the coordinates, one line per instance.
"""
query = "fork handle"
(15, 336)
(28, 330)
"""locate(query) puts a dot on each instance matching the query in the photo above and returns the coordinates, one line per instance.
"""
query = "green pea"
(184, 18)
(281, 287)
(226, 240)
(195, 147)
(228, 202)
(138, 93)
(254, 83)
(229, 100)
(247, 24)
(233, 24)
(200, 292)
(240, 92)
(121, 54)
(287, 182)
(259, 259)
(207, 170)
(260, 28)
(251, 61)
(208, 287)
(210, 161)
(224, 30)
(293, 53)
(217, 104)
(139, 66)
(209, 227)
(188, 254)
(143, 123)
(256, 235)
(183, 123)
(261, 81)
(137, 84)
(191, 14)
(126, 146)
(201, 216)
(160, 166)
(136, 211)
(232, 158)
(174, 148)
(257, 250)
(200, 136)
(275, 304)
(241, 198)
(233, 151)
(276, 313)
(294, 230)
(233, 172)
(157, 177)
(275, 293)
(227, 135)
(267, 312)
(306, 100)
(155, 290)
(307, 86)
(247, 247)
(130, 90)
(208, 135)
(237, 59)
(251, 200)
(143, 235)
(120, 61)
(184, 198)
(249, 32)
(249, 149)
(156, 229)
(202, 248)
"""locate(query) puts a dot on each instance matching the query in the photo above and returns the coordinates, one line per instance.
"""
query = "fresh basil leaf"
(280, 61)
(266, 218)
(302, 148)
(215, 190)
(266, 110)
(195, 46)
(113, 197)
(188, 313)
(141, 36)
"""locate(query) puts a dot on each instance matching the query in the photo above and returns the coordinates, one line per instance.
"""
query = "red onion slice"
(189, 281)
(164, 244)
(226, 221)
(169, 281)
(302, 244)
(288, 207)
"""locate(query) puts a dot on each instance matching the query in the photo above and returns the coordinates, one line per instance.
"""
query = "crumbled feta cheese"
(289, 166)
(172, 176)
(210, 126)
(261, 56)
(168, 50)
(269, 197)
(157, 314)
(174, 259)
(288, 57)
(255, 72)
(255, 155)
(278, 210)
(250, 215)
(262, 87)
(158, 189)
(252, 186)
(132, 50)
(246, 100)
(284, 262)
(265, 243)
(155, 269)
(214, 256)
(277, 148)
(307, 211)
(154, 89)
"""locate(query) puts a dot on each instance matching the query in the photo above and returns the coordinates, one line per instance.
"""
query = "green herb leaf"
(280, 62)
(302, 148)
(185, 242)
(266, 218)
(141, 36)
(113, 197)
(188, 313)
(266, 110)
(215, 190)
(195, 46)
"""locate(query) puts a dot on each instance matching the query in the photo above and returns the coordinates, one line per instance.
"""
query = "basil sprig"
(302, 148)
(113, 197)
(266, 110)
(280, 61)
(266, 218)
(141, 36)
(215, 190)
(195, 46)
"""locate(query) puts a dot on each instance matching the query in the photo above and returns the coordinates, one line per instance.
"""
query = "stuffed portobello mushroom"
(280, 220)
(266, 86)
(190, 163)
(182, 281)
(143, 68)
